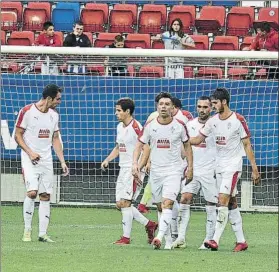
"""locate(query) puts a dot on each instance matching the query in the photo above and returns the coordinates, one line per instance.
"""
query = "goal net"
(88, 123)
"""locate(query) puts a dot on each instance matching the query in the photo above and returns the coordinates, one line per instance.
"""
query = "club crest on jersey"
(229, 125)
(44, 133)
(163, 143)
(122, 147)
(172, 129)
(220, 140)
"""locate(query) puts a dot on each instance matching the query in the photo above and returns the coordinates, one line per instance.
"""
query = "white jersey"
(165, 143)
(127, 137)
(204, 154)
(228, 134)
(181, 115)
(39, 128)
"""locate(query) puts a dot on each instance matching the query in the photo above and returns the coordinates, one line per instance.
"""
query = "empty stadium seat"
(188, 72)
(158, 45)
(97, 70)
(9, 20)
(240, 21)
(105, 39)
(246, 42)
(131, 7)
(187, 14)
(60, 34)
(3, 37)
(41, 5)
(16, 6)
(33, 19)
(238, 73)
(201, 42)
(89, 35)
(212, 20)
(152, 19)
(151, 71)
(25, 38)
(209, 72)
(225, 43)
(121, 21)
(261, 74)
(138, 40)
(95, 17)
(75, 6)
(268, 15)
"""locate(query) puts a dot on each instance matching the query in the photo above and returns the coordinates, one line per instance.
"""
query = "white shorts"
(227, 182)
(165, 185)
(37, 177)
(126, 187)
(207, 184)
(175, 71)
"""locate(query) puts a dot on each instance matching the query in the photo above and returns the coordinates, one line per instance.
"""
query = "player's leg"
(146, 199)
(235, 220)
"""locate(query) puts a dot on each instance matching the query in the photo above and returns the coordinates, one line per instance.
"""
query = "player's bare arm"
(34, 157)
(113, 155)
(251, 157)
(144, 157)
(189, 158)
(57, 146)
(136, 155)
(197, 140)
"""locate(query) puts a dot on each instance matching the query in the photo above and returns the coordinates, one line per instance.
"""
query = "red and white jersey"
(228, 134)
(39, 128)
(127, 137)
(165, 143)
(183, 115)
(204, 154)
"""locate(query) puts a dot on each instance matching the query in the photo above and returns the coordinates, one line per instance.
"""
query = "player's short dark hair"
(163, 95)
(47, 24)
(221, 94)
(51, 90)
(119, 38)
(126, 103)
(177, 102)
(204, 97)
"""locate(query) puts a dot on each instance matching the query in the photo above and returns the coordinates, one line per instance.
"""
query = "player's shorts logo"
(44, 133)
(163, 143)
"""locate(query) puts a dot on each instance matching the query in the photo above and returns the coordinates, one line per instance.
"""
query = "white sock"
(184, 217)
(139, 217)
(28, 211)
(164, 223)
(44, 215)
(221, 222)
(127, 219)
(236, 222)
(211, 216)
(175, 211)
(167, 236)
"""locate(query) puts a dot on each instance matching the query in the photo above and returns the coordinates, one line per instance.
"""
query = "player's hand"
(104, 165)
(136, 171)
(148, 167)
(138, 181)
(65, 169)
(256, 176)
(34, 157)
(189, 175)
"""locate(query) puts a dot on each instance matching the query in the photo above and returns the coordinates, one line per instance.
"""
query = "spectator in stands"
(77, 38)
(118, 66)
(175, 39)
(48, 37)
(266, 40)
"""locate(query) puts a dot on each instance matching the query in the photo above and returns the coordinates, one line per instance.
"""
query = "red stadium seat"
(238, 73)
(98, 70)
(240, 21)
(187, 14)
(9, 20)
(212, 20)
(261, 74)
(209, 72)
(12, 6)
(3, 37)
(151, 71)
(225, 43)
(201, 42)
(188, 72)
(152, 19)
(25, 38)
(121, 21)
(89, 35)
(130, 7)
(105, 39)
(138, 40)
(61, 35)
(94, 17)
(246, 42)
(158, 45)
(131, 71)
(33, 19)
(268, 15)
(41, 5)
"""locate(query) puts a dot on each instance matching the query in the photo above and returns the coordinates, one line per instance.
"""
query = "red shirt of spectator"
(48, 37)
(265, 41)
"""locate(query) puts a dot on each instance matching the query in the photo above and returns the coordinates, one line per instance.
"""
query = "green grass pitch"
(84, 239)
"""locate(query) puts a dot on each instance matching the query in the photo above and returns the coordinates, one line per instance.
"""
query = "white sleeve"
(56, 127)
(145, 135)
(243, 128)
(117, 135)
(184, 134)
(22, 120)
(206, 129)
